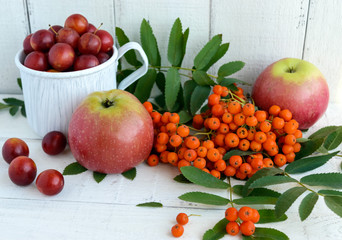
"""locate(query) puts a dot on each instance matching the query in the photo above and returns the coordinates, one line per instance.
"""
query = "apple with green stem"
(110, 132)
(293, 84)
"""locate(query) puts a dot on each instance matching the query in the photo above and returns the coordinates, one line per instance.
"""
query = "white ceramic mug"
(51, 97)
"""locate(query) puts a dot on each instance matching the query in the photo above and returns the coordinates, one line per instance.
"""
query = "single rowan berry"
(247, 228)
(278, 123)
(279, 159)
(265, 126)
(192, 142)
(214, 99)
(215, 173)
(285, 114)
(260, 115)
(231, 140)
(225, 91)
(175, 140)
(177, 230)
(220, 165)
(200, 163)
(156, 116)
(274, 110)
(255, 216)
(148, 106)
(208, 144)
(229, 171)
(214, 123)
(245, 213)
(248, 109)
(183, 163)
(244, 145)
(190, 155)
(165, 117)
(183, 131)
(174, 118)
(227, 117)
(235, 161)
(213, 154)
(245, 168)
(234, 107)
(231, 214)
(182, 219)
(251, 121)
(153, 160)
(232, 228)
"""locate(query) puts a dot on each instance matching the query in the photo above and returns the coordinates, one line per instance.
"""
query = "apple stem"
(291, 70)
(53, 29)
(98, 28)
(107, 103)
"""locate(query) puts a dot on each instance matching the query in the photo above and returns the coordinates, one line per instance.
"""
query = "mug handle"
(139, 72)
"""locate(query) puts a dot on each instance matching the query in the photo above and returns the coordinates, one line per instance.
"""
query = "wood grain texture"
(323, 43)
(13, 20)
(259, 32)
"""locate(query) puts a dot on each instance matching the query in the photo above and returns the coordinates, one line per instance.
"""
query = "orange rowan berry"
(240, 175)
(220, 165)
(255, 216)
(165, 117)
(227, 117)
(271, 135)
(163, 156)
(200, 163)
(257, 163)
(174, 118)
(224, 128)
(217, 89)
(190, 155)
(202, 151)
(274, 110)
(182, 218)
(181, 152)
(222, 150)
(214, 123)
(290, 157)
(156, 116)
(160, 147)
(148, 106)
(213, 99)
(217, 110)
(235, 161)
(208, 144)
(177, 230)
(273, 151)
(285, 114)
(197, 121)
(171, 128)
(247, 228)
(233, 126)
(248, 109)
(232, 228)
(225, 91)
(255, 146)
(231, 140)
(219, 140)
(215, 173)
(172, 157)
(163, 129)
(192, 142)
(153, 160)
(291, 126)
(279, 160)
(261, 115)
(183, 163)
(268, 144)
(239, 119)
(244, 145)
(278, 123)
(297, 147)
(242, 132)
(162, 138)
(175, 140)
(265, 126)
(205, 170)
(260, 137)
(251, 121)
(251, 157)
(183, 131)
(239, 91)
(245, 213)
(246, 168)
(231, 214)
(251, 133)
(234, 107)
(287, 149)
(298, 133)
(268, 162)
(213, 154)
(229, 171)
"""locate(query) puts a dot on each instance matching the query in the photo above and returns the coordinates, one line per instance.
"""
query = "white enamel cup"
(51, 97)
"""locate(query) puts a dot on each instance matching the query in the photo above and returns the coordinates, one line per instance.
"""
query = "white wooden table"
(88, 210)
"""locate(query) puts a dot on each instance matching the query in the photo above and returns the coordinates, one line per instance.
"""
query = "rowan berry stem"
(301, 184)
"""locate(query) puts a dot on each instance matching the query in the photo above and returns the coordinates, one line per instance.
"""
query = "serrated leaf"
(218, 55)
(175, 47)
(3, 106)
(160, 81)
(20, 83)
(230, 68)
(130, 174)
(333, 180)
(217, 232)
(189, 87)
(309, 163)
(130, 55)
(185, 39)
(13, 110)
(198, 97)
(269, 233)
(184, 116)
(237, 189)
(181, 179)
(74, 168)
(269, 216)
(237, 152)
(13, 101)
(334, 203)
(255, 200)
(307, 204)
(302, 140)
(259, 174)
(150, 204)
(172, 85)
(98, 177)
(145, 85)
(207, 52)
(323, 132)
(205, 198)
(23, 111)
(149, 43)
(328, 192)
(264, 192)
(309, 147)
(202, 78)
(287, 199)
(333, 140)
(180, 100)
(160, 100)
(202, 178)
(270, 180)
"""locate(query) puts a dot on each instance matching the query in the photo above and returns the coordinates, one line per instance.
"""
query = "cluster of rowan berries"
(241, 220)
(231, 122)
(177, 230)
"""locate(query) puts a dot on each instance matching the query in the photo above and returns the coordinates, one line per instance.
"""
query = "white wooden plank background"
(260, 32)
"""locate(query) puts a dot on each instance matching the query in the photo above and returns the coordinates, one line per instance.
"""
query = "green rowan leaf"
(202, 78)
(287, 199)
(145, 85)
(189, 87)
(269, 216)
(149, 43)
(74, 168)
(205, 198)
(175, 47)
(333, 140)
(333, 180)
(150, 204)
(130, 174)
(172, 86)
(307, 204)
(230, 68)
(130, 55)
(270, 180)
(198, 97)
(334, 203)
(250, 200)
(309, 147)
(98, 177)
(218, 55)
(203, 58)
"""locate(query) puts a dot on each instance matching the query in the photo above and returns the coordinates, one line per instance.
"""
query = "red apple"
(14, 147)
(110, 132)
(294, 84)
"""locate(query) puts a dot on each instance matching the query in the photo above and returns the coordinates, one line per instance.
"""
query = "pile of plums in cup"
(22, 170)
(76, 46)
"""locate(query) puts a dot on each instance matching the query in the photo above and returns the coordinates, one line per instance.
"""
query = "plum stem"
(53, 29)
(98, 28)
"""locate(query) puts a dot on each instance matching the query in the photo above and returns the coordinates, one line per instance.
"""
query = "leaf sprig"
(14, 104)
